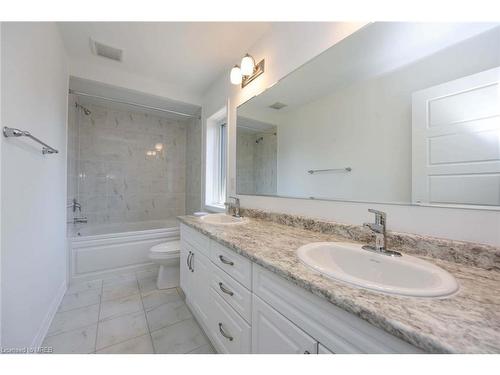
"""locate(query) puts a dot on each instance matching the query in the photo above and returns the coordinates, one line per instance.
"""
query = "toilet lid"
(170, 247)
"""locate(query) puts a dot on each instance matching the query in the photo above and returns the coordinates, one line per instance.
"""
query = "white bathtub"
(101, 250)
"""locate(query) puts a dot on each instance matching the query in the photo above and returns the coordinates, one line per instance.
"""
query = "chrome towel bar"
(346, 169)
(12, 132)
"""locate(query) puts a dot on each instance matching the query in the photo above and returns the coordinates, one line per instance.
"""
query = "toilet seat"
(166, 250)
(167, 256)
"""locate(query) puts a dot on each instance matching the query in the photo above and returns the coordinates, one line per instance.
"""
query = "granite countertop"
(467, 322)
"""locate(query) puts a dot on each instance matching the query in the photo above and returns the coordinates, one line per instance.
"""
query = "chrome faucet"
(236, 206)
(379, 227)
(75, 205)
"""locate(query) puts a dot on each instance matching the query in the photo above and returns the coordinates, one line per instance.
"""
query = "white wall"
(285, 48)
(34, 97)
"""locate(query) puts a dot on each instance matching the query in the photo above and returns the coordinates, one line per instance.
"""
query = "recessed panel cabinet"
(244, 308)
(272, 333)
(195, 275)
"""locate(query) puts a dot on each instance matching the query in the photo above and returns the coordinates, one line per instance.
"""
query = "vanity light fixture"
(247, 65)
(247, 72)
(236, 77)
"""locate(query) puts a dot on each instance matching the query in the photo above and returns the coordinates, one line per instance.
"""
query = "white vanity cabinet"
(272, 333)
(244, 308)
(195, 272)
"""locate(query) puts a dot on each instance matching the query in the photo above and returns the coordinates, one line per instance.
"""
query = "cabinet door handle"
(230, 338)
(225, 290)
(187, 261)
(191, 262)
(225, 261)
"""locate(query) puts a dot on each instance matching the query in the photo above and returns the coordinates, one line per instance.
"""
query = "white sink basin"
(223, 219)
(405, 275)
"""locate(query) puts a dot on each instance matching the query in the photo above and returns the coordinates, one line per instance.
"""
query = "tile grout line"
(145, 316)
(121, 342)
(98, 317)
(173, 324)
(119, 316)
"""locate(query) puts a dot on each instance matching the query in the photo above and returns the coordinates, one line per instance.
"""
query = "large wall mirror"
(404, 113)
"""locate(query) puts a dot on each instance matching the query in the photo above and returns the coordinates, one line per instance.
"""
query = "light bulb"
(159, 147)
(235, 75)
(247, 65)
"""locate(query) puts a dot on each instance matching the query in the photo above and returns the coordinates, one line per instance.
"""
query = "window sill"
(215, 208)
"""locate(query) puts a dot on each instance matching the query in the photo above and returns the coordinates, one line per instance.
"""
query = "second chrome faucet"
(379, 227)
(236, 206)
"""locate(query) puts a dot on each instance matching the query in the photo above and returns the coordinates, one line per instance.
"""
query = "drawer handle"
(225, 290)
(230, 338)
(225, 261)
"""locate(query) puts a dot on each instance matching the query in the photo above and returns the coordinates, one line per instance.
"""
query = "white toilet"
(167, 255)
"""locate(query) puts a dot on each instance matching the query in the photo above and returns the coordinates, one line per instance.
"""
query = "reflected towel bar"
(12, 132)
(347, 169)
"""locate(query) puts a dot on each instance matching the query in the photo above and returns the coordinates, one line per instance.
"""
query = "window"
(216, 161)
(222, 164)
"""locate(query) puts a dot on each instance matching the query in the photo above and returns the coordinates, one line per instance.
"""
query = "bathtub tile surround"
(257, 162)
(117, 316)
(471, 254)
(193, 166)
(113, 174)
(467, 322)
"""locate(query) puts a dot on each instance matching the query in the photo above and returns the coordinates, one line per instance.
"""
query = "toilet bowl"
(167, 255)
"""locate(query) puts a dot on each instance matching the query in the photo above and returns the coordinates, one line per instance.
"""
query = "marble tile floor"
(125, 314)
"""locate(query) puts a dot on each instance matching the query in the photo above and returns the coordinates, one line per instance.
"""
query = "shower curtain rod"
(133, 104)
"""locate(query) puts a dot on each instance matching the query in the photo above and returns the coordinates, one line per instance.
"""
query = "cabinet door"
(185, 270)
(272, 333)
(200, 285)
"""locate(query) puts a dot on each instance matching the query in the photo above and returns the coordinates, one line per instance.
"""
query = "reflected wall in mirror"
(395, 113)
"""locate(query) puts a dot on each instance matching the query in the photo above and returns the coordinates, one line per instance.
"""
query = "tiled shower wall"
(193, 166)
(115, 179)
(256, 162)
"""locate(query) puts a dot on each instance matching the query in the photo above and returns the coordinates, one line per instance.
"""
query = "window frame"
(216, 161)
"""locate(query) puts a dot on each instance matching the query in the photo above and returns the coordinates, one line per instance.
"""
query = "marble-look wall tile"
(193, 167)
(114, 178)
(256, 169)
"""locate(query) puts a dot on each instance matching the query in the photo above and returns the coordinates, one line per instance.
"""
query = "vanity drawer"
(195, 239)
(239, 267)
(230, 332)
(235, 294)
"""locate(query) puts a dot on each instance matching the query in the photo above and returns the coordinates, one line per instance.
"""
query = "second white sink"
(405, 275)
(223, 219)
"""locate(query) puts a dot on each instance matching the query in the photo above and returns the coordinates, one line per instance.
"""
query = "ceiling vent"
(106, 51)
(277, 105)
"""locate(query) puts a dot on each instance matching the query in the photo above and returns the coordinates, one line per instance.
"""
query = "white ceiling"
(190, 55)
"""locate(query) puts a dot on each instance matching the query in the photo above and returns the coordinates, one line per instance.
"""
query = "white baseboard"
(54, 306)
